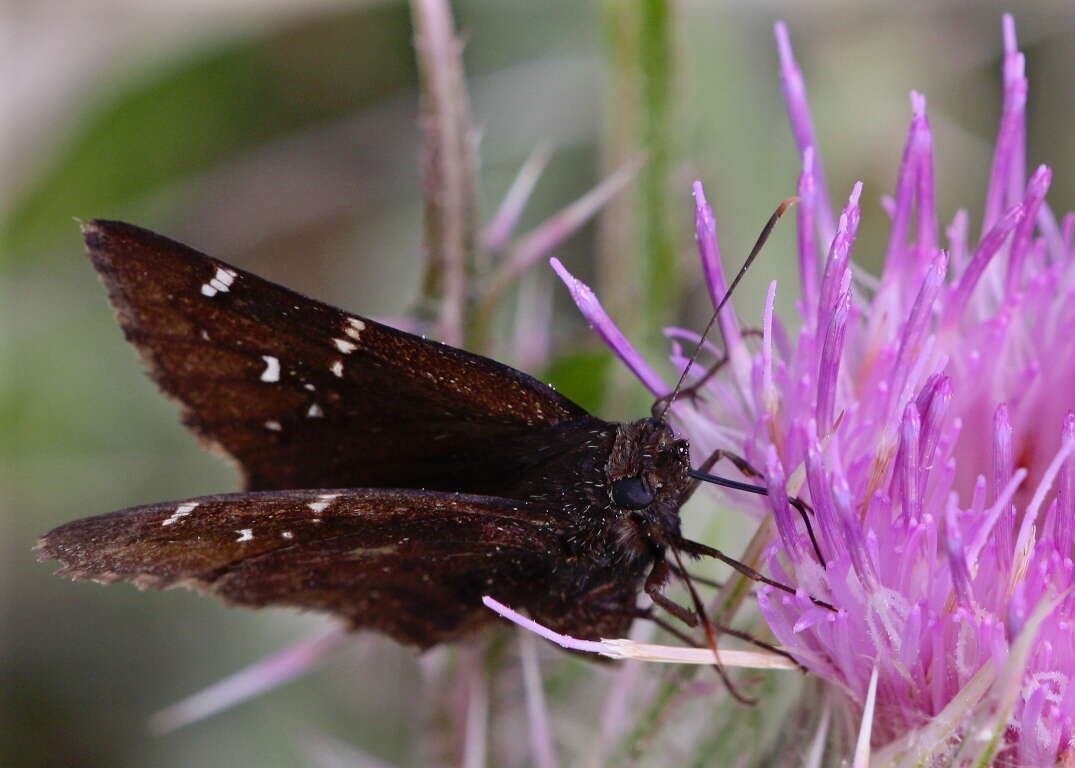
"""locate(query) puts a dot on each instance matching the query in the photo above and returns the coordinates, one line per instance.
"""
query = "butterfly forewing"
(411, 564)
(304, 395)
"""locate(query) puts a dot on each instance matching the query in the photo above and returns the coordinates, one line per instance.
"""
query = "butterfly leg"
(710, 634)
(744, 466)
(747, 637)
(695, 577)
(662, 403)
(740, 463)
(683, 637)
(649, 615)
(657, 577)
(698, 549)
(655, 581)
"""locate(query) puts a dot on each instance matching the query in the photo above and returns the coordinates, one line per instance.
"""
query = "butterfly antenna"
(710, 633)
(758, 245)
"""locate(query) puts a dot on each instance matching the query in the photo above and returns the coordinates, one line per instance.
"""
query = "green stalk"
(659, 264)
(638, 278)
(618, 252)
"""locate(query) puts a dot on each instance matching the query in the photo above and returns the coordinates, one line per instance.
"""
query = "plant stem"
(450, 188)
(659, 267)
(637, 275)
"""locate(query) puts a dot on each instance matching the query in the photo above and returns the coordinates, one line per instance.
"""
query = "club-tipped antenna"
(758, 245)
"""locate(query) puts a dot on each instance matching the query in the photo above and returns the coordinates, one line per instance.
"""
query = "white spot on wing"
(323, 502)
(337, 368)
(354, 328)
(287, 535)
(246, 534)
(344, 346)
(314, 412)
(225, 277)
(272, 369)
(181, 511)
(309, 387)
(220, 282)
(273, 425)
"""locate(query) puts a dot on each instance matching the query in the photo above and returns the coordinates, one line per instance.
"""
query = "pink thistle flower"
(926, 417)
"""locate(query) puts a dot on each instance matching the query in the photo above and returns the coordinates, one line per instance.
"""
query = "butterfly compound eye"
(631, 493)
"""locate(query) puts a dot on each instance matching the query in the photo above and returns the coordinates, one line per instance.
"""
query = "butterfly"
(390, 480)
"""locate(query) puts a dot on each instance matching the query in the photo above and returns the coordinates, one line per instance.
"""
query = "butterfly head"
(647, 475)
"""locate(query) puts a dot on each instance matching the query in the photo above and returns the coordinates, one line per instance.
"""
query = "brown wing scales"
(305, 395)
(411, 564)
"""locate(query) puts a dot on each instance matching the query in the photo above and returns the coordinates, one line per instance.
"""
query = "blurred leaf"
(582, 376)
(167, 125)
(213, 102)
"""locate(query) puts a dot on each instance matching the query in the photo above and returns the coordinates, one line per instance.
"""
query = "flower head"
(925, 416)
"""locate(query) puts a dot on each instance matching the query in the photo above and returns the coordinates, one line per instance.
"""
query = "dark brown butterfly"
(391, 480)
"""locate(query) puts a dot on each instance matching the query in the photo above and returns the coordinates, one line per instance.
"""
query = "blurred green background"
(284, 137)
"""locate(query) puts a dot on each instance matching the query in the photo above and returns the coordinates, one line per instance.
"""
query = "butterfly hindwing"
(304, 395)
(411, 564)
